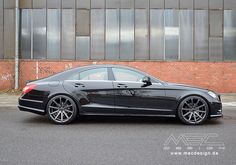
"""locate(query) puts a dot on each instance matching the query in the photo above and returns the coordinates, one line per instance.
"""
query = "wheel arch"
(66, 94)
(188, 95)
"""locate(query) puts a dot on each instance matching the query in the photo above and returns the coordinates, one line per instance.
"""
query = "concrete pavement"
(228, 99)
(8, 100)
(30, 139)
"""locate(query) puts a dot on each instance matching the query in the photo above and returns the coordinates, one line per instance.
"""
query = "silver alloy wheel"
(194, 109)
(61, 109)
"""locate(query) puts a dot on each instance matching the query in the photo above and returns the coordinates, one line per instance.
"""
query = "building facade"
(184, 41)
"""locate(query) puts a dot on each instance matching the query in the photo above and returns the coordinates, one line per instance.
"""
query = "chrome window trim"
(90, 80)
(137, 82)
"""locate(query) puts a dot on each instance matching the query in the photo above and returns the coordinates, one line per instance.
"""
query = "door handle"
(79, 85)
(122, 85)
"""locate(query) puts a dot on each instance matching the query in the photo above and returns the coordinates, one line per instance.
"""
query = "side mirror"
(147, 80)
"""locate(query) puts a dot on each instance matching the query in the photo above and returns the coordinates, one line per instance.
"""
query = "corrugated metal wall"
(186, 30)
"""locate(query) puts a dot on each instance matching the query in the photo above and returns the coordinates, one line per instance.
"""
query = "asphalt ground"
(28, 139)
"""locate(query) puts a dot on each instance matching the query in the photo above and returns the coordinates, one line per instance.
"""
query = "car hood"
(183, 86)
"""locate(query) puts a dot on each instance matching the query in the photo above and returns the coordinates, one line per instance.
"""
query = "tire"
(193, 110)
(61, 109)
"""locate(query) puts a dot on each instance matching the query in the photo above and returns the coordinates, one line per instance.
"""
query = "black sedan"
(116, 91)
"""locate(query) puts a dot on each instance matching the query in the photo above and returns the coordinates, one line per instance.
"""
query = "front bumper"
(216, 116)
(216, 110)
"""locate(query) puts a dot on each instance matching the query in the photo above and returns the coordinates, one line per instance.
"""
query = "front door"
(133, 97)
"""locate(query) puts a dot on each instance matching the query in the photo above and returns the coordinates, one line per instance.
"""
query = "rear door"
(94, 91)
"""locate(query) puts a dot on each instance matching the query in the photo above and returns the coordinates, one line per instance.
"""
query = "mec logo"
(194, 139)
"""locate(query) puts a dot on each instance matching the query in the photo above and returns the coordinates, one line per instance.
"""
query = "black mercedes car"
(116, 90)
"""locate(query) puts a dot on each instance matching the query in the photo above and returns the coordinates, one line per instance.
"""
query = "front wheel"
(193, 110)
(61, 109)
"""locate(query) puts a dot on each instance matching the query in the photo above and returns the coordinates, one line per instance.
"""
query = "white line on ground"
(231, 104)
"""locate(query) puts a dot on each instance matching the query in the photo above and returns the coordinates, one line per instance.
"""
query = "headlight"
(212, 94)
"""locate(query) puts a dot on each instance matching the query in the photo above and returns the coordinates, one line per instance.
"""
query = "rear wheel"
(193, 110)
(61, 109)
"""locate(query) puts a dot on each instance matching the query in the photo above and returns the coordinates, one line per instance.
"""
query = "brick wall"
(218, 76)
(7, 74)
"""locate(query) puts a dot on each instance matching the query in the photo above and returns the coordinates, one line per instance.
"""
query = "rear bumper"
(33, 110)
(33, 106)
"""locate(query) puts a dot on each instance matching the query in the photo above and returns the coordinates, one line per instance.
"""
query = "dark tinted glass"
(94, 74)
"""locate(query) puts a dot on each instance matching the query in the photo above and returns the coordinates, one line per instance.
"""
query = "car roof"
(102, 65)
(61, 75)
(93, 66)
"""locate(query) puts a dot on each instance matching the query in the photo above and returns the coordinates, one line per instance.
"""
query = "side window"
(74, 77)
(94, 74)
(126, 75)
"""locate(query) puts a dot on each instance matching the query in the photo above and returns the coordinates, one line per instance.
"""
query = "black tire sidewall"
(74, 115)
(185, 121)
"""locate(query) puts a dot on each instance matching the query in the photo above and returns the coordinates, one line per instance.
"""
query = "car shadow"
(43, 120)
(125, 120)
(37, 119)
(136, 120)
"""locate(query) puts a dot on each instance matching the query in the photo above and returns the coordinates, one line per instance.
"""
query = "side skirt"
(114, 114)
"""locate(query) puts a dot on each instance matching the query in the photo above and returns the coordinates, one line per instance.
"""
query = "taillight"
(28, 88)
